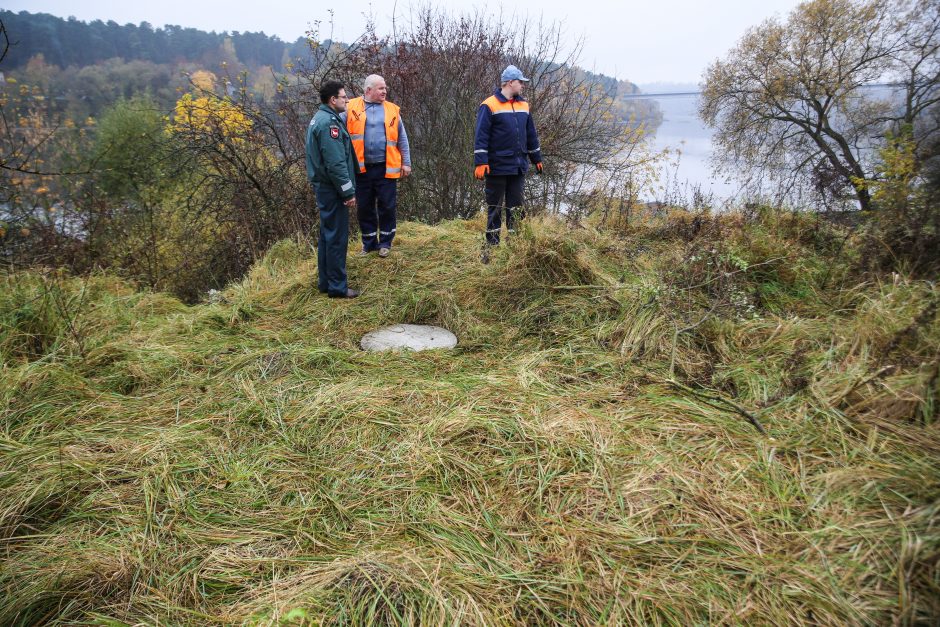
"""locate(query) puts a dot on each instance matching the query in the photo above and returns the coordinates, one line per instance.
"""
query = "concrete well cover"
(416, 337)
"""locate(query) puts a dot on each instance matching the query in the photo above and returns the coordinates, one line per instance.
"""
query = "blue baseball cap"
(512, 73)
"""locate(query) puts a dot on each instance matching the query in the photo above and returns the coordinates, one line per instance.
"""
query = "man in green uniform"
(331, 171)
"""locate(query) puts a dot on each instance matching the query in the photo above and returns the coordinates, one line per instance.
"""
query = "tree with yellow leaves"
(203, 80)
(209, 115)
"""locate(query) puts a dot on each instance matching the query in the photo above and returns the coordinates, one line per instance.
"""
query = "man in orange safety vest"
(382, 157)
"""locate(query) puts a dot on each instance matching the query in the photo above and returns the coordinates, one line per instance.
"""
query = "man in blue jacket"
(331, 170)
(504, 144)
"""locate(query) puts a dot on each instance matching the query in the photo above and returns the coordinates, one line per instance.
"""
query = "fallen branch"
(589, 287)
(863, 381)
(677, 331)
(719, 402)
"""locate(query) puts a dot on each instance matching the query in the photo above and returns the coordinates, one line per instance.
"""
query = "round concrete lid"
(416, 337)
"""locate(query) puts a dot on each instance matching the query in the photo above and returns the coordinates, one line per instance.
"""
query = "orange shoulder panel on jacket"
(496, 106)
(492, 103)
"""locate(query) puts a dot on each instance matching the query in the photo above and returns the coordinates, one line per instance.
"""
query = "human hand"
(351, 203)
(538, 167)
(481, 171)
(405, 170)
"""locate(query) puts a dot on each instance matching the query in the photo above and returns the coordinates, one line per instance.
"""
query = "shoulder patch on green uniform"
(334, 132)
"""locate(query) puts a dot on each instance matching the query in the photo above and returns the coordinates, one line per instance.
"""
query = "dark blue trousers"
(496, 189)
(377, 202)
(333, 241)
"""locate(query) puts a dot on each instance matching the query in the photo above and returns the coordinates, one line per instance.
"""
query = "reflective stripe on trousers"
(377, 204)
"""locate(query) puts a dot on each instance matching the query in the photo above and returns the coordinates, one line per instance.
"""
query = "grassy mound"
(582, 457)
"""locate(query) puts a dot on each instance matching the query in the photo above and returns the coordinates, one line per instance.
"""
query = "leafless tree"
(439, 68)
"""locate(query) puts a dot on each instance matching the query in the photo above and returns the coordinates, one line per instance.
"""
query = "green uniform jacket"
(330, 156)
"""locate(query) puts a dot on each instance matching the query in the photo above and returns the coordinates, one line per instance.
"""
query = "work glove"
(538, 167)
(481, 171)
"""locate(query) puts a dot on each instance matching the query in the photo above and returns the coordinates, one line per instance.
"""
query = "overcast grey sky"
(644, 42)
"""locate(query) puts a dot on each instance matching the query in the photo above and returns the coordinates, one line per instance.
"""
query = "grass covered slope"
(582, 457)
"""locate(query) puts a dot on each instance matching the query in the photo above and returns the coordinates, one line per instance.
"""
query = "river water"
(687, 138)
(684, 132)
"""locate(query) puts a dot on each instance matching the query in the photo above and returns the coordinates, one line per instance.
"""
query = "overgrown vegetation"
(179, 177)
(581, 457)
(653, 416)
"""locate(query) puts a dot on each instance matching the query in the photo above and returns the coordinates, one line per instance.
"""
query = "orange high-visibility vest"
(356, 125)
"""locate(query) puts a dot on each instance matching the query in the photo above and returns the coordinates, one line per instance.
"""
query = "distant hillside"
(639, 111)
(74, 43)
(70, 42)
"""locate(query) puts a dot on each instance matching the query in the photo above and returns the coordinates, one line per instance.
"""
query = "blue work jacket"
(505, 136)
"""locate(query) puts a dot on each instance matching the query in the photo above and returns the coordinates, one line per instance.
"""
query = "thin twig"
(589, 287)
(720, 402)
(725, 275)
